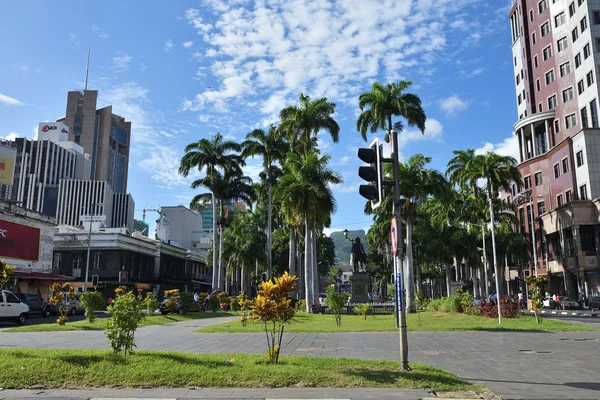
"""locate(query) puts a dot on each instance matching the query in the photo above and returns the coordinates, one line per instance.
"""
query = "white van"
(12, 309)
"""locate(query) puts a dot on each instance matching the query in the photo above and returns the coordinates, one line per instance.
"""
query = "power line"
(351, 223)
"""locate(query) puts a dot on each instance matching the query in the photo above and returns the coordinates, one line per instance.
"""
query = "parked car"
(178, 309)
(12, 309)
(74, 306)
(594, 302)
(569, 304)
(36, 304)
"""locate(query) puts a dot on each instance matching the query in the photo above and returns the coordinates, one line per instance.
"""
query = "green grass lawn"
(425, 321)
(101, 368)
(100, 323)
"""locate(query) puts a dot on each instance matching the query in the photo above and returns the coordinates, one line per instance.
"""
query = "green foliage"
(421, 301)
(364, 309)
(301, 306)
(466, 304)
(391, 291)
(186, 299)
(150, 303)
(92, 301)
(202, 296)
(125, 316)
(434, 305)
(6, 271)
(213, 303)
(235, 305)
(336, 302)
(537, 288)
(62, 293)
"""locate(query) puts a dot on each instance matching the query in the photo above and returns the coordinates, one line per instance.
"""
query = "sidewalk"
(572, 313)
(236, 394)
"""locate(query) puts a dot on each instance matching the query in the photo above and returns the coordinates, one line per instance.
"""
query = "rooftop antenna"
(87, 70)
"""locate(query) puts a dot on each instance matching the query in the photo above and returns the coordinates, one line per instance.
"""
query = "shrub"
(537, 288)
(61, 294)
(150, 303)
(434, 305)
(244, 305)
(186, 299)
(125, 316)
(235, 305)
(121, 290)
(301, 306)
(421, 301)
(224, 300)
(213, 303)
(92, 301)
(336, 302)
(6, 271)
(364, 309)
(272, 307)
(201, 297)
(450, 304)
(490, 310)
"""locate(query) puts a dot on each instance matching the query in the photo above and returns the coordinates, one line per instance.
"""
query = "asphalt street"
(516, 365)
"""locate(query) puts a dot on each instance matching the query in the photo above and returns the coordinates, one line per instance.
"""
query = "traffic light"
(94, 280)
(373, 173)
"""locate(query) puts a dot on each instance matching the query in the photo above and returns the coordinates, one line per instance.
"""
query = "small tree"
(61, 294)
(125, 316)
(537, 288)
(244, 305)
(363, 310)
(92, 301)
(213, 303)
(171, 304)
(150, 303)
(272, 307)
(187, 301)
(6, 272)
(336, 302)
(224, 300)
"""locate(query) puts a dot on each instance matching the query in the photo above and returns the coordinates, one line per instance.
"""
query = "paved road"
(516, 365)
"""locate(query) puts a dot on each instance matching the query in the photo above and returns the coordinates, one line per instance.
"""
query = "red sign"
(394, 235)
(18, 241)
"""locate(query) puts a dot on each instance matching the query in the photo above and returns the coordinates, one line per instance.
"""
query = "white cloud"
(11, 136)
(507, 147)
(99, 32)
(169, 45)
(453, 105)
(187, 45)
(121, 62)
(433, 132)
(74, 41)
(162, 164)
(9, 101)
(325, 48)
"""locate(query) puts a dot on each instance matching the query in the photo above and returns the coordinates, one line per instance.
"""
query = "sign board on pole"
(398, 298)
(394, 235)
(8, 156)
(123, 276)
(93, 218)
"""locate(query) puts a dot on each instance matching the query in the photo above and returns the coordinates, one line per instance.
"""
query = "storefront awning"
(42, 276)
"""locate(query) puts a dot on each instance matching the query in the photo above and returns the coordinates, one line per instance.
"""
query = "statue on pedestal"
(358, 256)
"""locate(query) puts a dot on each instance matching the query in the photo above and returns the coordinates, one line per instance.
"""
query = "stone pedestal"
(359, 282)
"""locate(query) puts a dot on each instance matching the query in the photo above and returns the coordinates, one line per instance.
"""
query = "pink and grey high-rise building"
(555, 54)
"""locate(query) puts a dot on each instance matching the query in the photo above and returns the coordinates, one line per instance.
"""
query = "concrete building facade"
(555, 52)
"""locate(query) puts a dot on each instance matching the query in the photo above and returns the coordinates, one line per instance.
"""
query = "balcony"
(533, 133)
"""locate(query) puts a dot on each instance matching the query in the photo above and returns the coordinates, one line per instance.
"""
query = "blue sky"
(183, 70)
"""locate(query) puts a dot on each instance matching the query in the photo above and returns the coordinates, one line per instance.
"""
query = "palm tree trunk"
(497, 278)
(215, 277)
(315, 266)
(270, 234)
(448, 286)
(243, 280)
(418, 285)
(222, 275)
(292, 258)
(410, 284)
(307, 268)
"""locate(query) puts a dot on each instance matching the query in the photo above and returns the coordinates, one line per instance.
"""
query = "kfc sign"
(47, 128)
(18, 241)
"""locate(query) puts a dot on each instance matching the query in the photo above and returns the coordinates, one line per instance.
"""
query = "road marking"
(133, 398)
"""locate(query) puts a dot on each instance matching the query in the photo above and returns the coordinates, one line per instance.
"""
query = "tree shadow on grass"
(85, 360)
(412, 378)
(181, 359)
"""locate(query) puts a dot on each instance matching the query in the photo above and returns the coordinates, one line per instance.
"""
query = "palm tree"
(229, 186)
(458, 169)
(303, 123)
(211, 155)
(417, 183)
(305, 194)
(271, 147)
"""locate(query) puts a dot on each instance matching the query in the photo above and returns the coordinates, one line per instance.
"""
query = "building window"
(518, 79)
(570, 121)
(561, 44)
(583, 24)
(574, 35)
(579, 157)
(584, 118)
(568, 196)
(527, 181)
(567, 94)
(514, 189)
(549, 77)
(98, 261)
(580, 2)
(552, 102)
(531, 15)
(590, 78)
(541, 207)
(580, 87)
(565, 69)
(537, 83)
(538, 178)
(556, 170)
(565, 165)
(577, 60)
(559, 201)
(586, 51)
(545, 29)
(560, 19)
(540, 107)
(541, 6)
(533, 37)
(519, 99)
(556, 126)
(583, 192)
(515, 61)
(597, 17)
(594, 113)
(571, 9)
(547, 52)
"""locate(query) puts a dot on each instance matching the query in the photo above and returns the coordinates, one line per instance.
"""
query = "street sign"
(398, 298)
(394, 235)
(123, 276)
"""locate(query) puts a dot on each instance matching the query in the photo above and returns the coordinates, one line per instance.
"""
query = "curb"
(569, 313)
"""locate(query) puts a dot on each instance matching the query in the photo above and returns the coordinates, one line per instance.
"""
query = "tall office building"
(102, 134)
(555, 53)
(41, 164)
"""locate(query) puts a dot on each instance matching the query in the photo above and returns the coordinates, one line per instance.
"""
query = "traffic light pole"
(398, 264)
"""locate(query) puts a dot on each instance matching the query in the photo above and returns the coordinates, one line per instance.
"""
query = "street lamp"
(87, 262)
(346, 235)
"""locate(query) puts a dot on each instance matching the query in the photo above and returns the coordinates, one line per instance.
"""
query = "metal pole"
(87, 261)
(495, 260)
(485, 264)
(534, 245)
(398, 258)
